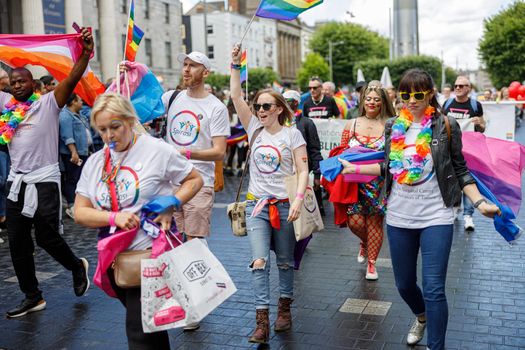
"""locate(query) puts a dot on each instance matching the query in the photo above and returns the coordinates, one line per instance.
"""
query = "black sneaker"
(81, 278)
(27, 306)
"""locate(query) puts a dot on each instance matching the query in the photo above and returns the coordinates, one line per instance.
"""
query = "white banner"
(330, 131)
(500, 119)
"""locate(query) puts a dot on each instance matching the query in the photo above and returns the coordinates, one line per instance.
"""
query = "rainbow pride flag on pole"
(284, 9)
(342, 103)
(244, 66)
(134, 35)
(57, 53)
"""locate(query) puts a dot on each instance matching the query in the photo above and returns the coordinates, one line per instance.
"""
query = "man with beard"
(197, 125)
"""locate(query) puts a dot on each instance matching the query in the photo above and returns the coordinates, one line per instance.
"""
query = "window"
(149, 53)
(209, 29)
(146, 9)
(123, 6)
(97, 45)
(167, 47)
(166, 13)
(210, 52)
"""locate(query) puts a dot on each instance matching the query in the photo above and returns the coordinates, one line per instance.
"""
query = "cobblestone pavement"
(334, 308)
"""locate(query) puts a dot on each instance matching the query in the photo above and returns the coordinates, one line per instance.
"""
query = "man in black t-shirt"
(463, 107)
(319, 105)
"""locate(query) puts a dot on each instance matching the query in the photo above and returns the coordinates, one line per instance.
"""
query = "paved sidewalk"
(334, 308)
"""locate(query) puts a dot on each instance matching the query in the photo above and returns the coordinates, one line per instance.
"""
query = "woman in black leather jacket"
(424, 172)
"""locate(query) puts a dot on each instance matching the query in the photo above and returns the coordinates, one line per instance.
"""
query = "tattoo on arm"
(305, 159)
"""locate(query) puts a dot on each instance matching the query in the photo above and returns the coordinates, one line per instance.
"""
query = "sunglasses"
(314, 87)
(419, 96)
(460, 86)
(265, 106)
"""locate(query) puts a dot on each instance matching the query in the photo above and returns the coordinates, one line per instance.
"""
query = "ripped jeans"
(261, 233)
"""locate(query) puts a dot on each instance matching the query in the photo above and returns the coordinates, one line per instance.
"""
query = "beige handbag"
(127, 267)
(310, 220)
(237, 210)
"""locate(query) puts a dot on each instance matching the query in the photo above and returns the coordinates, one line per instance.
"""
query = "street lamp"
(330, 47)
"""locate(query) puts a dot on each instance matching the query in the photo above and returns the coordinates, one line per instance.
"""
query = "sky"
(450, 26)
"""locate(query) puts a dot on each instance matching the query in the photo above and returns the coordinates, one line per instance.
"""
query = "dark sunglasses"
(314, 87)
(460, 86)
(419, 96)
(265, 106)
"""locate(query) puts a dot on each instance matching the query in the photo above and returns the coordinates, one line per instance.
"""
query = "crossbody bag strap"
(247, 162)
(111, 183)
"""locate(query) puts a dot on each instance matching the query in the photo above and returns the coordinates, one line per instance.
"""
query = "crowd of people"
(107, 167)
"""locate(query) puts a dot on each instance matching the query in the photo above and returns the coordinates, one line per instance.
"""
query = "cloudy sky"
(452, 26)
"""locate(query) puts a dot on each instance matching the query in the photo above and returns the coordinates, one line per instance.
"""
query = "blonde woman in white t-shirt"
(269, 213)
(142, 168)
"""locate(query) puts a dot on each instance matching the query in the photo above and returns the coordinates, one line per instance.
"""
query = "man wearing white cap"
(313, 145)
(197, 125)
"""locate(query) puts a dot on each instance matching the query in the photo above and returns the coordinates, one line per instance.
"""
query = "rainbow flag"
(57, 53)
(134, 36)
(342, 103)
(284, 9)
(244, 66)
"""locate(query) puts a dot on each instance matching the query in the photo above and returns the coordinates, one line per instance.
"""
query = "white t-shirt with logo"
(192, 123)
(150, 169)
(271, 159)
(418, 205)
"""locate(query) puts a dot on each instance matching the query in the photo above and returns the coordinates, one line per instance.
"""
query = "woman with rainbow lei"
(365, 217)
(425, 173)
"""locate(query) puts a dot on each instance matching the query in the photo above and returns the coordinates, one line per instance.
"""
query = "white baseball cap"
(292, 94)
(196, 56)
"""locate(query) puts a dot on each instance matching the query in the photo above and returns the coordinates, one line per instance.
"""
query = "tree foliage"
(313, 65)
(352, 43)
(372, 69)
(218, 81)
(260, 78)
(502, 47)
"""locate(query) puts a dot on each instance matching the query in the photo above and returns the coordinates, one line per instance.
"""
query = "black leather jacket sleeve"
(456, 155)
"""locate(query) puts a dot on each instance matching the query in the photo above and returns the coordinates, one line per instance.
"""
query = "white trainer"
(361, 256)
(469, 223)
(191, 327)
(416, 332)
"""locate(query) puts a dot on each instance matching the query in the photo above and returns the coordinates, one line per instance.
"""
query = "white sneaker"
(469, 223)
(371, 272)
(416, 332)
(361, 256)
(1, 241)
(192, 327)
(70, 213)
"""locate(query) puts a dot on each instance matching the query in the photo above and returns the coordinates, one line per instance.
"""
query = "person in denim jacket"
(74, 146)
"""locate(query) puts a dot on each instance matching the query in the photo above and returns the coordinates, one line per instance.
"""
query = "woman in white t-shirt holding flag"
(141, 168)
(269, 212)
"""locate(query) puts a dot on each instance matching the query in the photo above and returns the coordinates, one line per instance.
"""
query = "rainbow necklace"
(397, 149)
(12, 115)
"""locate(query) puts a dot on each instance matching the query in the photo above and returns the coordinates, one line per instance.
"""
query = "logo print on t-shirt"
(267, 159)
(459, 113)
(127, 190)
(185, 128)
(427, 173)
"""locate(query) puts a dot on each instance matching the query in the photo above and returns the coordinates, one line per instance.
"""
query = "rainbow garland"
(12, 115)
(401, 174)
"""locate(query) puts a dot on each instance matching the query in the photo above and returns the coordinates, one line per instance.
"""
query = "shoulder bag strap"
(247, 162)
(447, 126)
(111, 183)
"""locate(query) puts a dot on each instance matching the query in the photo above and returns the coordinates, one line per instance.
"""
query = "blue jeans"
(435, 243)
(261, 233)
(5, 164)
(468, 208)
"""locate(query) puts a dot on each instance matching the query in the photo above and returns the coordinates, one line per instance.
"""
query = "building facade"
(160, 20)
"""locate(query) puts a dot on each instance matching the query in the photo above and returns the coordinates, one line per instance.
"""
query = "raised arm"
(66, 86)
(242, 108)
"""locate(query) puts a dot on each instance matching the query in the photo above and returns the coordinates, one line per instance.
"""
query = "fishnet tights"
(369, 229)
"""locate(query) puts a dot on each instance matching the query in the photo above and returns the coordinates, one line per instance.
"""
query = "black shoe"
(27, 306)
(81, 278)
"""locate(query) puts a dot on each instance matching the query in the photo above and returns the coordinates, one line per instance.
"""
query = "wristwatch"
(478, 203)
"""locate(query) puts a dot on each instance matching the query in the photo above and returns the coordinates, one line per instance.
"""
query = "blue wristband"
(176, 203)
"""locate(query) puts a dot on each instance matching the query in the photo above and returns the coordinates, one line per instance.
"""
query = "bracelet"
(235, 66)
(112, 217)
(478, 203)
(358, 169)
(177, 203)
(188, 154)
(299, 196)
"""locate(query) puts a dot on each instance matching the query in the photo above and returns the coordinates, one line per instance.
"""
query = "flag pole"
(250, 23)
(247, 75)
(127, 30)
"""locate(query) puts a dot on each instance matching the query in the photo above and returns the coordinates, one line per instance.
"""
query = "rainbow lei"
(13, 113)
(411, 174)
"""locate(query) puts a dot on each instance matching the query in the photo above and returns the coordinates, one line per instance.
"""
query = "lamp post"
(205, 29)
(330, 48)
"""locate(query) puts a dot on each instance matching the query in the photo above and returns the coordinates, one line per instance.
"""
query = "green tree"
(313, 65)
(260, 78)
(352, 43)
(502, 47)
(218, 81)
(372, 69)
